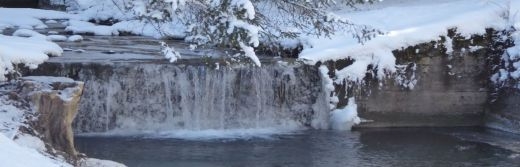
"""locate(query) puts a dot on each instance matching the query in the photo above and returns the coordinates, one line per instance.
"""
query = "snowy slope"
(11, 119)
(23, 150)
(14, 155)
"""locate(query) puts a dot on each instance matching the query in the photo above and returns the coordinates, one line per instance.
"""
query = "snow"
(247, 6)
(27, 33)
(56, 38)
(11, 119)
(82, 27)
(156, 30)
(29, 51)
(66, 94)
(51, 22)
(75, 38)
(31, 142)
(404, 22)
(15, 155)
(93, 162)
(25, 150)
(169, 52)
(511, 57)
(405, 25)
(28, 18)
(52, 32)
(250, 53)
(345, 118)
(48, 79)
(101, 10)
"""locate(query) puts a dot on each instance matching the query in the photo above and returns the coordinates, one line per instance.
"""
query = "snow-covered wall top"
(407, 24)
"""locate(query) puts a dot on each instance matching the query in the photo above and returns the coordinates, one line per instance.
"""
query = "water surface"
(381, 147)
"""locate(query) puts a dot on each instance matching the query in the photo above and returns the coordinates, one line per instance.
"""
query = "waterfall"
(151, 98)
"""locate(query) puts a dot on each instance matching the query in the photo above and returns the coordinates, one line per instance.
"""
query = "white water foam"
(208, 134)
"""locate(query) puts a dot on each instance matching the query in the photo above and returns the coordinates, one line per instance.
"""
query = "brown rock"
(56, 101)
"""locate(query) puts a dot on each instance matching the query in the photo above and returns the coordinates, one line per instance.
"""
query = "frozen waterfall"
(167, 99)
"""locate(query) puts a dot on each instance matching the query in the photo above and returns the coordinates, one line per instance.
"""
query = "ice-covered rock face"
(150, 98)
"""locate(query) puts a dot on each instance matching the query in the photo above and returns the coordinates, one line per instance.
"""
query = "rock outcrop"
(55, 100)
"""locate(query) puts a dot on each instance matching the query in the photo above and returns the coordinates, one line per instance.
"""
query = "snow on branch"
(249, 24)
(169, 52)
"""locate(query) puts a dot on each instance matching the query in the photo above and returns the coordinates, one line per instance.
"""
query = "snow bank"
(15, 155)
(93, 162)
(75, 38)
(405, 25)
(156, 30)
(102, 10)
(11, 119)
(29, 18)
(82, 27)
(30, 142)
(56, 38)
(28, 33)
(30, 51)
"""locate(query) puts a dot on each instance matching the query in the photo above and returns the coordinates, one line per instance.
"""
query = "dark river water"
(322, 148)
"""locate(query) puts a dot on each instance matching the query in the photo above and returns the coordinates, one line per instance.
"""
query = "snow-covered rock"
(75, 38)
(28, 33)
(56, 38)
(28, 18)
(83, 27)
(28, 51)
(51, 22)
(93, 162)
(56, 99)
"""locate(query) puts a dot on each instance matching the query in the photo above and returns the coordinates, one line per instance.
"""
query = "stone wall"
(451, 88)
(442, 96)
